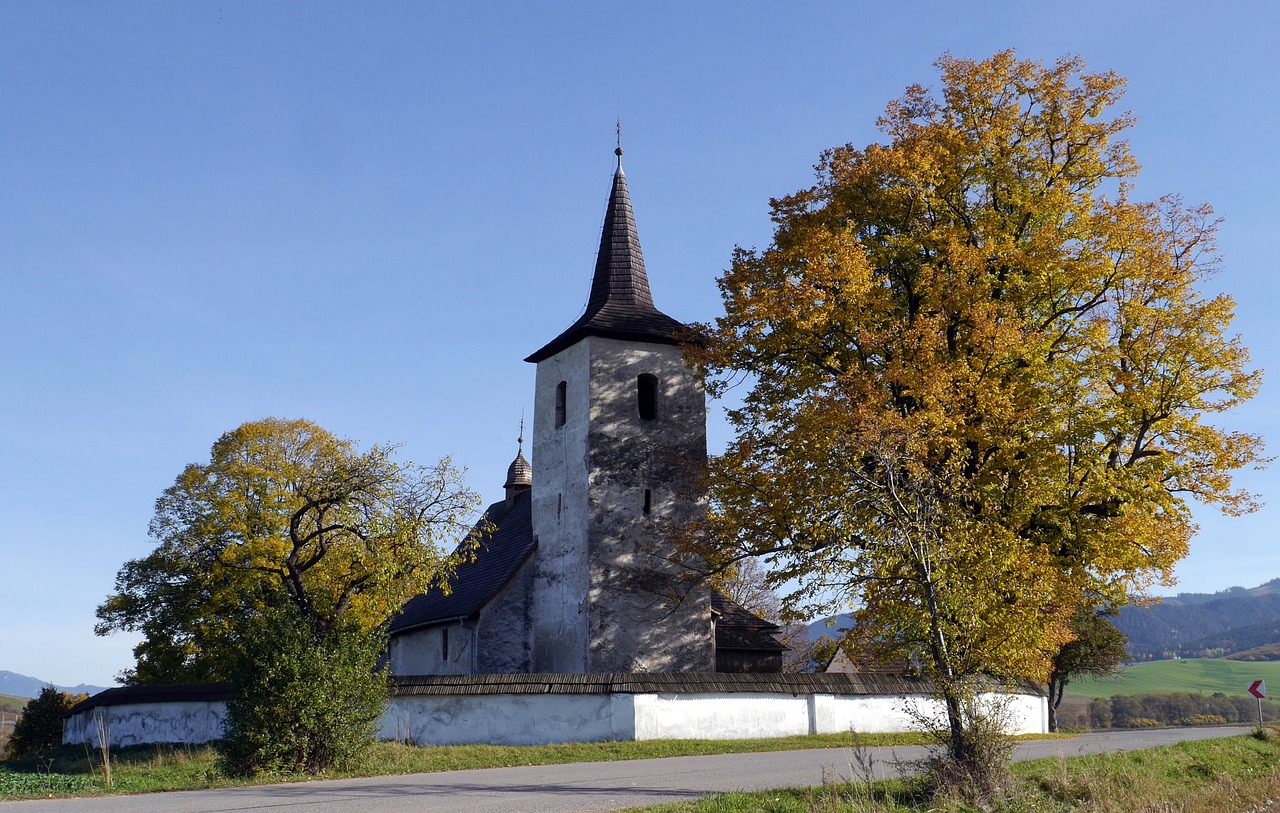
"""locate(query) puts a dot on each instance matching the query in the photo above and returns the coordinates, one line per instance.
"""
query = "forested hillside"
(1204, 625)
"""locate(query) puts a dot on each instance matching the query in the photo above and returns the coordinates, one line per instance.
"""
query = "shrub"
(1203, 719)
(1144, 722)
(304, 701)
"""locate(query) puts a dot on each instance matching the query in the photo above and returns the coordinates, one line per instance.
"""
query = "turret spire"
(519, 473)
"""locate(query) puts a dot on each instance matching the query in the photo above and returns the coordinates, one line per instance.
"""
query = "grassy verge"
(73, 771)
(1211, 776)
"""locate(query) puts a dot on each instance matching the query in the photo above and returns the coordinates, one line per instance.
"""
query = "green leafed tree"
(980, 379)
(1097, 650)
(283, 515)
(304, 703)
(39, 728)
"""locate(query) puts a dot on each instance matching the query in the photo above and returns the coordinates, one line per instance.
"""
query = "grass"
(1205, 675)
(13, 701)
(1210, 776)
(76, 771)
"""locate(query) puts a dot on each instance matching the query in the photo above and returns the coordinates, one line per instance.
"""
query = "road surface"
(577, 788)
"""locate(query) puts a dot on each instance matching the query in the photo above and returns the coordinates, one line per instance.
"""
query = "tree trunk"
(1056, 688)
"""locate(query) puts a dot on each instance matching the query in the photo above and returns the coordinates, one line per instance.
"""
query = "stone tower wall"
(604, 596)
(560, 577)
(640, 620)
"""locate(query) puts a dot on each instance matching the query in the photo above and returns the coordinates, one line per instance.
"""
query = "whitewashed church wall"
(505, 629)
(134, 724)
(422, 651)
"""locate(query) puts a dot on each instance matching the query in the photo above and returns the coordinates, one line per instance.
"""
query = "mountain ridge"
(18, 685)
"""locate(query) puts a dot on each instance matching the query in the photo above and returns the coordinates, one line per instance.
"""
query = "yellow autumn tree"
(284, 514)
(978, 378)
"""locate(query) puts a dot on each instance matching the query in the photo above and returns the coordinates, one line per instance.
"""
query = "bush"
(304, 702)
(1144, 722)
(40, 726)
(1203, 719)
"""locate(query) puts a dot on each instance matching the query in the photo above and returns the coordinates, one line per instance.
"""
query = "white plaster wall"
(880, 714)
(531, 719)
(720, 717)
(560, 577)
(133, 724)
(1022, 713)
(512, 719)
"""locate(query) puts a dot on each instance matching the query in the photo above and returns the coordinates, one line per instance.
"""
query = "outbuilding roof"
(172, 693)
(739, 628)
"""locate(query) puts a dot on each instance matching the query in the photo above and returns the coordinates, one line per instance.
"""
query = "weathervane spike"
(618, 151)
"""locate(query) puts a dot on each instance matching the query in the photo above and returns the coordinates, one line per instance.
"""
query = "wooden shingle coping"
(660, 683)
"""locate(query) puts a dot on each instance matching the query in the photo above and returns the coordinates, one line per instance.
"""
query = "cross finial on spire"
(618, 151)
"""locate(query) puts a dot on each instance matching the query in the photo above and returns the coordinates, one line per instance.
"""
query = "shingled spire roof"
(620, 306)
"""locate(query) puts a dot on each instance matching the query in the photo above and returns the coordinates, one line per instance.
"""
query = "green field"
(12, 702)
(1204, 675)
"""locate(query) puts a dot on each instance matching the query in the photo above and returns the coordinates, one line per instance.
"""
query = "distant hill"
(838, 623)
(1239, 623)
(1204, 625)
(23, 686)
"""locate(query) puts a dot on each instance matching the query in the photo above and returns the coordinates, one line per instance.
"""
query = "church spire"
(620, 305)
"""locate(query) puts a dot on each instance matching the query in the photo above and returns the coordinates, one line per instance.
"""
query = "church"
(571, 623)
(573, 574)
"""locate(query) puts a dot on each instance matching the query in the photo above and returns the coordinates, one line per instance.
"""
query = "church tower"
(618, 421)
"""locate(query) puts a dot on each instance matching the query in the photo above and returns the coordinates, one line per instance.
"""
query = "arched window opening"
(647, 396)
(562, 393)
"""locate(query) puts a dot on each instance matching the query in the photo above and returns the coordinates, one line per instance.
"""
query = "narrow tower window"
(648, 500)
(562, 392)
(647, 396)
(444, 643)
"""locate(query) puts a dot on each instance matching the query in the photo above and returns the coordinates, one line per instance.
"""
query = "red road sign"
(1258, 689)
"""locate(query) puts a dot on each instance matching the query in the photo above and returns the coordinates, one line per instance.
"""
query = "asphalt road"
(576, 788)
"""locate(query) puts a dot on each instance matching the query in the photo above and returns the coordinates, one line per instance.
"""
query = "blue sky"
(367, 214)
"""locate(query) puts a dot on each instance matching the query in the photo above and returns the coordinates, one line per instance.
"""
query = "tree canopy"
(284, 514)
(39, 728)
(1097, 650)
(978, 375)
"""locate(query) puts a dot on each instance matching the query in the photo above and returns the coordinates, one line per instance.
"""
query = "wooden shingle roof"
(501, 554)
(621, 304)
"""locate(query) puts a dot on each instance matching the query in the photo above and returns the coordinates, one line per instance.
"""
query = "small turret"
(519, 473)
